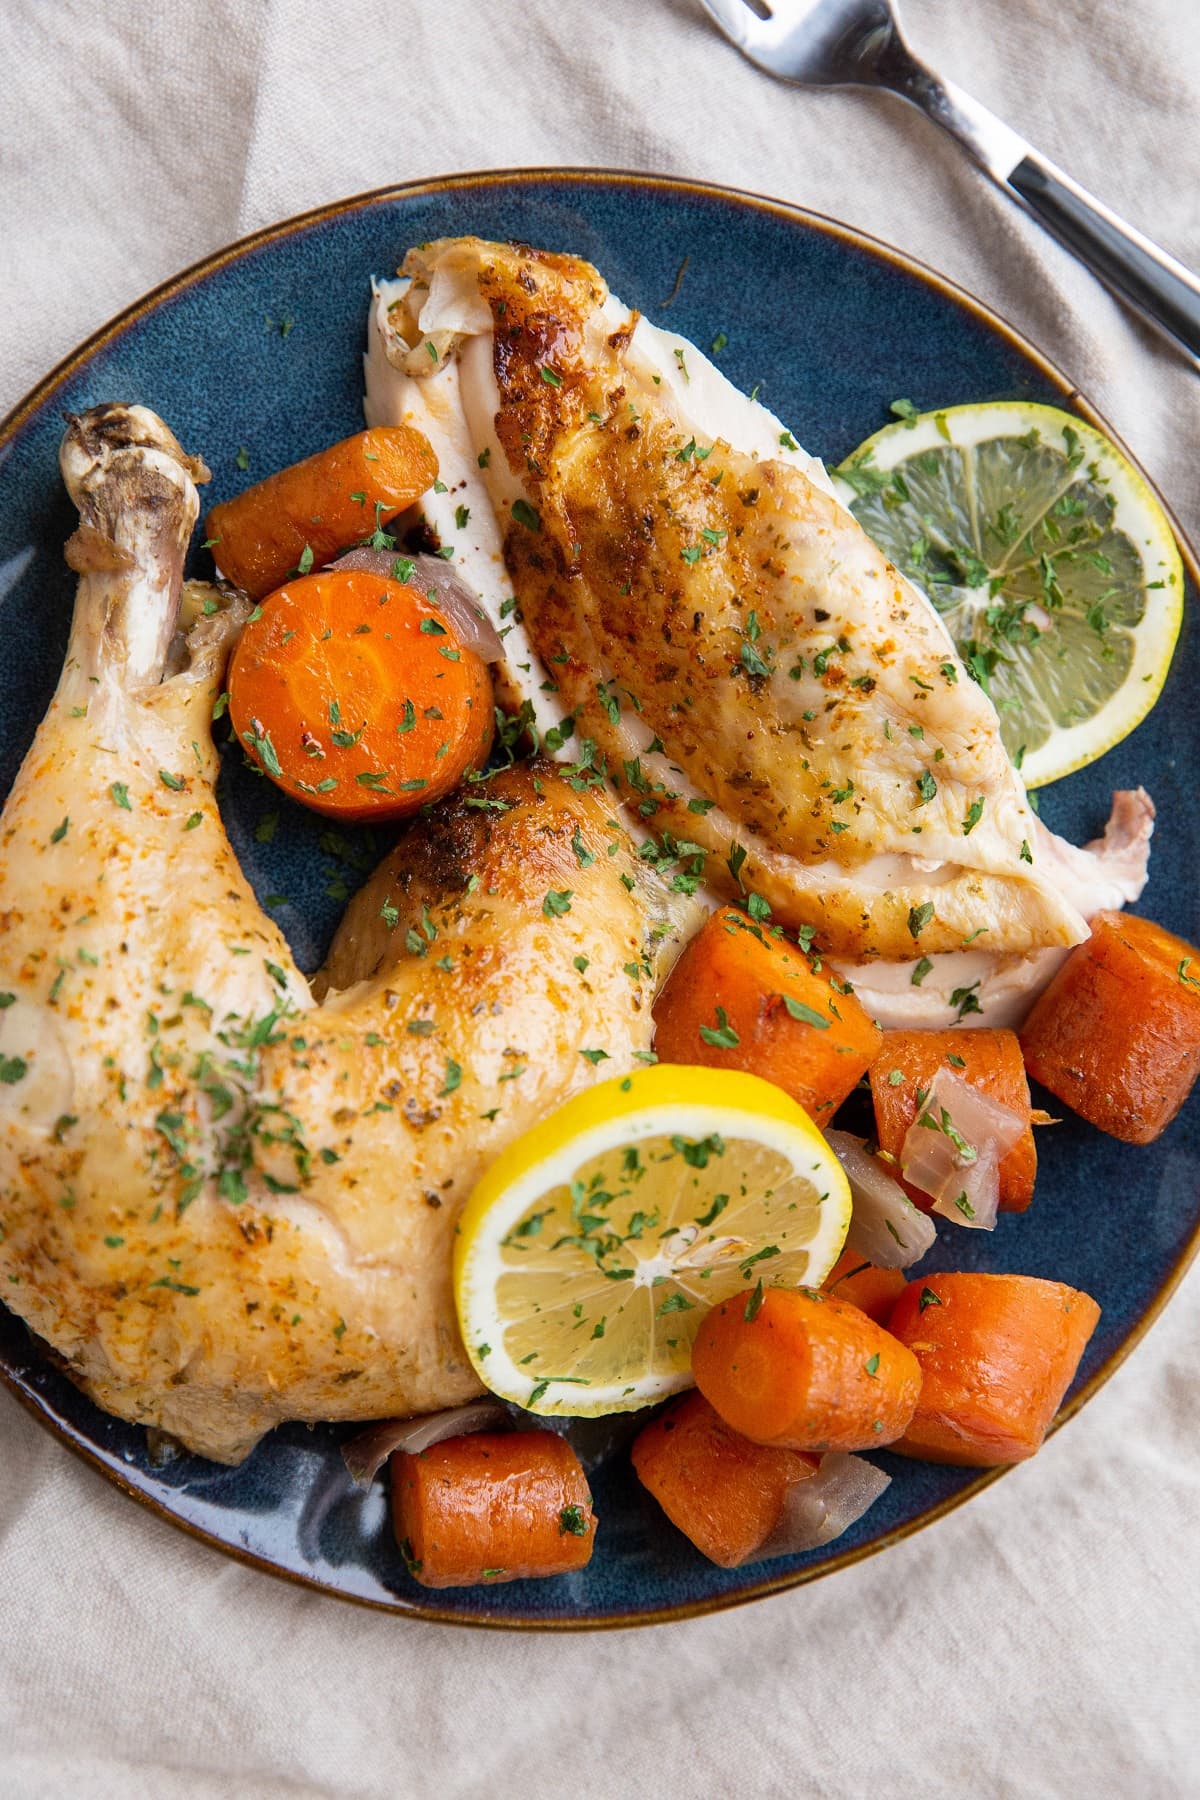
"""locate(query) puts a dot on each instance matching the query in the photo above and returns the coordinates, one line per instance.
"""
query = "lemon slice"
(592, 1248)
(1048, 557)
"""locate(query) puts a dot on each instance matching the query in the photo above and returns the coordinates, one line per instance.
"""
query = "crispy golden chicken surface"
(758, 680)
(222, 1203)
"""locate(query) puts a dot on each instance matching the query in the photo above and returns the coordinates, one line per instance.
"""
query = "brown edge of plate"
(1071, 396)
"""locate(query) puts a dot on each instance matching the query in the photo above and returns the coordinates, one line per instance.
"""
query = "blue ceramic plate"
(260, 347)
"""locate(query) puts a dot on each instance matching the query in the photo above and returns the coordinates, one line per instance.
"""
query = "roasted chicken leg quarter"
(223, 1204)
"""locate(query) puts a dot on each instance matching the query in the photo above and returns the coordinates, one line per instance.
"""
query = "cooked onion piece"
(885, 1227)
(820, 1509)
(954, 1148)
(366, 1454)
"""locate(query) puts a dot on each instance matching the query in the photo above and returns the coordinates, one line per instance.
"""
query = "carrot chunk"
(805, 1371)
(874, 1291)
(997, 1354)
(1116, 1035)
(723, 1492)
(498, 1506)
(739, 999)
(989, 1060)
(303, 516)
(354, 694)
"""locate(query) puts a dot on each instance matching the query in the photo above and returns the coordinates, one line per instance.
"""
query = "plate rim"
(1070, 396)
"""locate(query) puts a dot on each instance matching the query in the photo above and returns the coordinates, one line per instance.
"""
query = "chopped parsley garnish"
(965, 1000)
(259, 740)
(696, 1151)
(723, 1037)
(753, 663)
(919, 917)
(804, 1014)
(453, 1078)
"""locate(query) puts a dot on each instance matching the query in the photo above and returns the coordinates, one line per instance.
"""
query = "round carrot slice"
(355, 695)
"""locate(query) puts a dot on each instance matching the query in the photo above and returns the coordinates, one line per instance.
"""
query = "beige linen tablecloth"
(1042, 1641)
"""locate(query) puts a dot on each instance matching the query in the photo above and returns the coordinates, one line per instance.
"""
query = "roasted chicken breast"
(753, 674)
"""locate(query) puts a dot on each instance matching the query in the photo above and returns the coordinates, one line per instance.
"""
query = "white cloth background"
(1044, 1640)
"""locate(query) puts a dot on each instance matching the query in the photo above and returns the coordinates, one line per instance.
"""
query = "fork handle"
(1154, 284)
(1165, 293)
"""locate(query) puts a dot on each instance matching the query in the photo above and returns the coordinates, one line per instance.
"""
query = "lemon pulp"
(1049, 559)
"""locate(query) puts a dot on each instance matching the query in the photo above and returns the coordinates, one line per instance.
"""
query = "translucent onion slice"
(433, 575)
(954, 1147)
(366, 1454)
(885, 1227)
(820, 1509)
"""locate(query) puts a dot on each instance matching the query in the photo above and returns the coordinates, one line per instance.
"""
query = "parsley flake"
(919, 917)
(723, 1037)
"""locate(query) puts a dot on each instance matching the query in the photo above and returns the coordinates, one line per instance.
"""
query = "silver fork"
(859, 43)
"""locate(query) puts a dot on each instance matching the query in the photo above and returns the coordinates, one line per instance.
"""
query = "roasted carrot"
(355, 695)
(989, 1060)
(1116, 1035)
(300, 518)
(805, 1371)
(740, 999)
(494, 1507)
(874, 1291)
(723, 1492)
(997, 1354)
